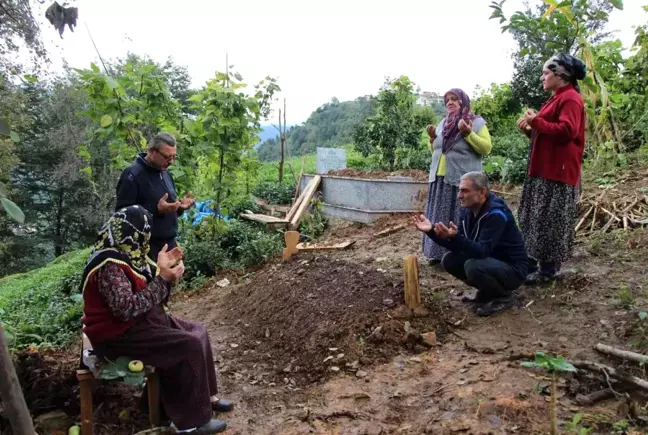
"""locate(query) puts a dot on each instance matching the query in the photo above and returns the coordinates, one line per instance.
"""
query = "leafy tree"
(10, 117)
(540, 33)
(226, 126)
(569, 27)
(129, 109)
(62, 210)
(627, 91)
(18, 27)
(498, 107)
(175, 77)
(394, 123)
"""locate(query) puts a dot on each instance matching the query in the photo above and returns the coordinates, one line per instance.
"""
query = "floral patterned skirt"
(547, 216)
(442, 206)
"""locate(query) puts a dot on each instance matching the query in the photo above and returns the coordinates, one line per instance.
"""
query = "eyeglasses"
(166, 157)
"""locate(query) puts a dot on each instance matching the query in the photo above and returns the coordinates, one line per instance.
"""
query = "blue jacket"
(492, 233)
(142, 184)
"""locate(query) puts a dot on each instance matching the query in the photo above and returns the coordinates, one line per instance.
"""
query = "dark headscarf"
(124, 239)
(570, 68)
(451, 132)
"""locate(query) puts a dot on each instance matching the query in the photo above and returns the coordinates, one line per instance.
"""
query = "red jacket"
(559, 139)
(99, 323)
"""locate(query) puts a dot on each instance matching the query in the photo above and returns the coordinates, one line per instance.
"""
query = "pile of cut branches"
(611, 209)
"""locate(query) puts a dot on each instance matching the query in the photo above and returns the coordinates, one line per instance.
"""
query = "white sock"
(184, 430)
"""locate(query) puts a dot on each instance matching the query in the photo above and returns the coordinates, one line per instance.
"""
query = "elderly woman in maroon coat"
(123, 292)
(548, 206)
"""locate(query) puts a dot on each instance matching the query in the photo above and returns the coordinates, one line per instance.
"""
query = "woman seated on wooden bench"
(123, 293)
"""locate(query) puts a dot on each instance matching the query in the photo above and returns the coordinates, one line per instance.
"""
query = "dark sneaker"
(223, 405)
(212, 426)
(468, 298)
(539, 278)
(493, 307)
(474, 301)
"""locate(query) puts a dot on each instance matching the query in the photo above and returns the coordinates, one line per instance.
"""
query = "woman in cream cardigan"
(457, 145)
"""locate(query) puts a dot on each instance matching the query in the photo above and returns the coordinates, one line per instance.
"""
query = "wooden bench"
(86, 381)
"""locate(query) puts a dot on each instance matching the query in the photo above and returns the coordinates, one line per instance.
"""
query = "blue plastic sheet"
(201, 210)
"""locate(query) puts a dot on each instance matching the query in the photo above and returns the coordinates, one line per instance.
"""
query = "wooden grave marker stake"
(291, 238)
(412, 286)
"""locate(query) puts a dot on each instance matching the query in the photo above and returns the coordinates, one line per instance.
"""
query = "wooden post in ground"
(412, 286)
(86, 378)
(11, 394)
(153, 387)
(292, 239)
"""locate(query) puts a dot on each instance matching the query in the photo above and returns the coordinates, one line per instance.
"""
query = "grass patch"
(269, 171)
(43, 306)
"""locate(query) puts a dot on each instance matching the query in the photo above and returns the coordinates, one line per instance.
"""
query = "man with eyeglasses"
(147, 182)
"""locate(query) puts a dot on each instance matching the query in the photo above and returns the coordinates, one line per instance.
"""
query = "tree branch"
(8, 14)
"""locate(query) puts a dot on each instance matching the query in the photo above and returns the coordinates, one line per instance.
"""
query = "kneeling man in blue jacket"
(487, 250)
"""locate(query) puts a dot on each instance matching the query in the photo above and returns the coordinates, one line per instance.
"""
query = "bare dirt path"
(323, 345)
(295, 346)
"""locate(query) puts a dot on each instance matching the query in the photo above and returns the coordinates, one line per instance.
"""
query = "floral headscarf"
(451, 132)
(124, 238)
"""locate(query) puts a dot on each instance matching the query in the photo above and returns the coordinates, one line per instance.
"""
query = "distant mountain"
(268, 132)
(328, 126)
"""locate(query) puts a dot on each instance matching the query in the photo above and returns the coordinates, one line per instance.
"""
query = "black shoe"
(493, 307)
(223, 405)
(468, 298)
(212, 426)
(433, 262)
(473, 303)
(539, 278)
(477, 300)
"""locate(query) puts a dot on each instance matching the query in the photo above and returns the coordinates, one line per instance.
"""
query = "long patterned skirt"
(442, 206)
(547, 216)
(181, 352)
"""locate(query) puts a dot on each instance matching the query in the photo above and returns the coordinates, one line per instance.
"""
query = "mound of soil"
(416, 174)
(317, 316)
(49, 385)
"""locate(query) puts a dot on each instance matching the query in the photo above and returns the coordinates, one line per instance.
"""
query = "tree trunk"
(281, 160)
(58, 240)
(11, 394)
(220, 180)
(282, 138)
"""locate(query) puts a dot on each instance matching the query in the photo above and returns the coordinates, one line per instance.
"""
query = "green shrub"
(314, 223)
(493, 167)
(274, 193)
(514, 171)
(235, 209)
(258, 249)
(237, 234)
(413, 158)
(203, 257)
(215, 244)
(44, 306)
(509, 159)
(513, 146)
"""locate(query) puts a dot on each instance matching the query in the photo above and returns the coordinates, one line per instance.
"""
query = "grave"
(330, 159)
(366, 200)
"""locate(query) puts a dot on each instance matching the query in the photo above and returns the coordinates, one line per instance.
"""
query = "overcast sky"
(337, 48)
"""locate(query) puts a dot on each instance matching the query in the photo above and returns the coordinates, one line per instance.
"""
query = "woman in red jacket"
(123, 292)
(548, 206)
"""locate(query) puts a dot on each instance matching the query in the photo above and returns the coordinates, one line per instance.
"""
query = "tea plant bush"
(43, 306)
